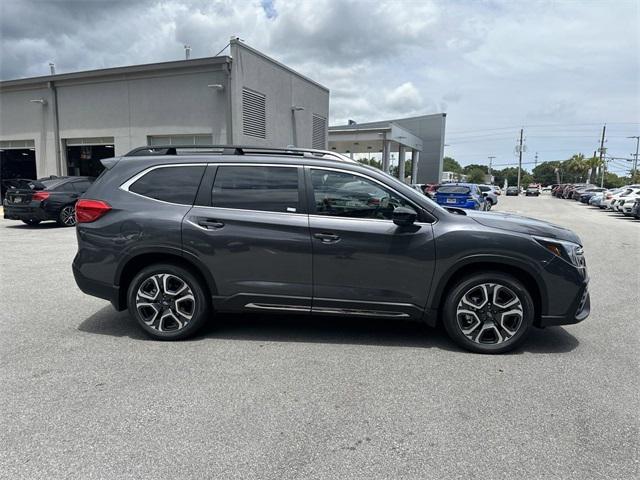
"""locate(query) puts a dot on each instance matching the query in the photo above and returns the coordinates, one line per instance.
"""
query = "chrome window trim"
(125, 186)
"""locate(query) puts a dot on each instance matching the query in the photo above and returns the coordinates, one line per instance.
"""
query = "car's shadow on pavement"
(334, 330)
(40, 226)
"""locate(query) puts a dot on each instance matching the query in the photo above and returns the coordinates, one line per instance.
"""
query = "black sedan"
(512, 191)
(54, 198)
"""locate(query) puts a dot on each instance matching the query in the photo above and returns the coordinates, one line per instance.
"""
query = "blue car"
(461, 195)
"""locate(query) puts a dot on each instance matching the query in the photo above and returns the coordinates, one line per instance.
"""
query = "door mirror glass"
(404, 216)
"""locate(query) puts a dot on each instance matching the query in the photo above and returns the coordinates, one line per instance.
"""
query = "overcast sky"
(558, 69)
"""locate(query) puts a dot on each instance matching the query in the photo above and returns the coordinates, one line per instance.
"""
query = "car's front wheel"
(488, 313)
(169, 302)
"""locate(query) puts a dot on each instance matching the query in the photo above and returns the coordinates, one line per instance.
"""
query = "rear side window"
(82, 186)
(170, 184)
(65, 187)
(271, 189)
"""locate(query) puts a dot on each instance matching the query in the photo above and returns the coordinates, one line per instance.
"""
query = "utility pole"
(602, 150)
(491, 157)
(635, 158)
(536, 160)
(520, 159)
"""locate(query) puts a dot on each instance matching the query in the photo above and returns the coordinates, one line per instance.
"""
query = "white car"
(625, 204)
(611, 197)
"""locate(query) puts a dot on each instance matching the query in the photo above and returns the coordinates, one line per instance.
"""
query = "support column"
(415, 157)
(386, 155)
(401, 157)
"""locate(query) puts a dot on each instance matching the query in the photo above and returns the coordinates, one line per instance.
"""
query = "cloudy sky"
(560, 69)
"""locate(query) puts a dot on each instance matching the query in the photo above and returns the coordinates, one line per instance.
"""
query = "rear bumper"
(96, 288)
(26, 212)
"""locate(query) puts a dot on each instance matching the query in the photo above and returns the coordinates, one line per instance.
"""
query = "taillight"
(39, 196)
(88, 211)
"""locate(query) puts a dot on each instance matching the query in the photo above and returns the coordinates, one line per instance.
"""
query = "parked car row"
(461, 195)
(625, 200)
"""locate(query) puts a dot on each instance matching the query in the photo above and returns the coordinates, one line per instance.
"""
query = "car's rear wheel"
(31, 221)
(488, 313)
(168, 301)
(67, 216)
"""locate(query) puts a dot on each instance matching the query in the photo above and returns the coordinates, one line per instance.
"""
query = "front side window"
(170, 184)
(270, 189)
(343, 194)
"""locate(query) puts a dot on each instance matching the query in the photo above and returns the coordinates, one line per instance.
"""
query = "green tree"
(545, 173)
(611, 180)
(450, 165)
(371, 162)
(475, 175)
(509, 173)
(575, 168)
(474, 166)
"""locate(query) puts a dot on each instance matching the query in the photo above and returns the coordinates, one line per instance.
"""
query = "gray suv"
(176, 234)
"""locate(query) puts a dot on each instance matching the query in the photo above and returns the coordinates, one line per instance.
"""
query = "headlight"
(568, 251)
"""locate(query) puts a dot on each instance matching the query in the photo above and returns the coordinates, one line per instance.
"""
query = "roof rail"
(235, 150)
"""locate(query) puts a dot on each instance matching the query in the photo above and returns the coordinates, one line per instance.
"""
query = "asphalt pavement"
(84, 394)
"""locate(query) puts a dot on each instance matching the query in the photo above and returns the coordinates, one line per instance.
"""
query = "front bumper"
(579, 310)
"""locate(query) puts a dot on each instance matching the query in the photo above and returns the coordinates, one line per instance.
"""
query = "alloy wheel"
(165, 302)
(68, 216)
(489, 313)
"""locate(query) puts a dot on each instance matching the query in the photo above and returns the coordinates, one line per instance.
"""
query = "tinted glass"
(454, 189)
(346, 195)
(65, 187)
(170, 184)
(271, 189)
(82, 186)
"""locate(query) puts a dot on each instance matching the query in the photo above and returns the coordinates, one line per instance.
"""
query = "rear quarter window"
(170, 184)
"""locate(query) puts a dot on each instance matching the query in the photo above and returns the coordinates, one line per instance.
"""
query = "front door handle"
(210, 223)
(325, 237)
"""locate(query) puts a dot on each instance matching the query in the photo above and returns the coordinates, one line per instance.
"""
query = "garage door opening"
(84, 155)
(16, 163)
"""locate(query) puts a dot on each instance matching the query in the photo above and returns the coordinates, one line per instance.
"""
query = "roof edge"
(146, 67)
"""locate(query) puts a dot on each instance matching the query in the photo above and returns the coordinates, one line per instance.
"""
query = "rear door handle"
(210, 223)
(325, 237)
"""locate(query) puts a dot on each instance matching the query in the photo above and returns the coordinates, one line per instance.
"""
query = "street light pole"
(491, 157)
(635, 158)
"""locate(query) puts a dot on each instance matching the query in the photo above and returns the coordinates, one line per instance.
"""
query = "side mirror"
(485, 194)
(404, 216)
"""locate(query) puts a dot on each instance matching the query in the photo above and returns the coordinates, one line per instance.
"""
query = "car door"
(363, 263)
(250, 228)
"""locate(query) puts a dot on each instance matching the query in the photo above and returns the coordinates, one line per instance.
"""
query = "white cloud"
(488, 64)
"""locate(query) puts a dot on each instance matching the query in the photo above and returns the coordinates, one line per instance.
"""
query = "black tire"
(200, 310)
(67, 216)
(479, 345)
(31, 222)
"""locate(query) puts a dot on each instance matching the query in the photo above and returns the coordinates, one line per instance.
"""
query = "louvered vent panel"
(319, 135)
(254, 114)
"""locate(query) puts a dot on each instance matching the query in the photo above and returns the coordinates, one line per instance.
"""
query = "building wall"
(132, 109)
(20, 119)
(430, 128)
(127, 107)
(283, 89)
(130, 104)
